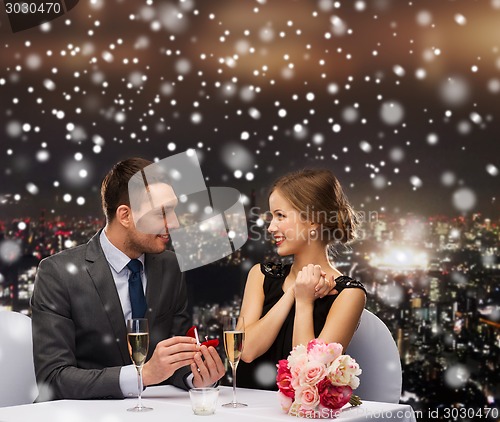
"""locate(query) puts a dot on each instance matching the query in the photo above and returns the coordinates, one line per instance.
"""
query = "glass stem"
(234, 383)
(139, 385)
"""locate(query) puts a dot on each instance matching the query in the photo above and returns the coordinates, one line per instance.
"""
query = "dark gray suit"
(79, 333)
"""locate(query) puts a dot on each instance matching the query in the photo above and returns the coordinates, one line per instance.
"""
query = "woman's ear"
(124, 215)
(313, 226)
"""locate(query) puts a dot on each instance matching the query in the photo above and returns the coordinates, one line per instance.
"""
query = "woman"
(286, 305)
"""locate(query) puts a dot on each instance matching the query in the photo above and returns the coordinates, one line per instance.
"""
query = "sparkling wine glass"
(234, 337)
(138, 343)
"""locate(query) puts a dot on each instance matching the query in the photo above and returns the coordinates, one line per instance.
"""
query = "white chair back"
(17, 377)
(374, 348)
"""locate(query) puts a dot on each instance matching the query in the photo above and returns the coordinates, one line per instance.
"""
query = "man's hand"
(207, 367)
(169, 355)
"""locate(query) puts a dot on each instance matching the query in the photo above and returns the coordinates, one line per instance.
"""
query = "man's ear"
(124, 215)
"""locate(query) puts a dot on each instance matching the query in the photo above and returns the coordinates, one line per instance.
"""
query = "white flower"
(343, 371)
(298, 358)
(286, 402)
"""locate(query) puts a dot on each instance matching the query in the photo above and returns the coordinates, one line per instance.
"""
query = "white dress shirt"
(118, 261)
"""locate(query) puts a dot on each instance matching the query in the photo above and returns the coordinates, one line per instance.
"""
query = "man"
(81, 301)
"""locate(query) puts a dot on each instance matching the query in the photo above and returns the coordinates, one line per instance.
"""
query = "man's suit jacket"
(79, 333)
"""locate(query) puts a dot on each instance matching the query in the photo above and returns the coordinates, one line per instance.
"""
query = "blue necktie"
(137, 299)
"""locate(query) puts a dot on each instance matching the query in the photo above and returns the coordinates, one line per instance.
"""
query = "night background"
(398, 98)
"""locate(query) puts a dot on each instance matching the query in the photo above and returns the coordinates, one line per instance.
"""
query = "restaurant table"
(172, 404)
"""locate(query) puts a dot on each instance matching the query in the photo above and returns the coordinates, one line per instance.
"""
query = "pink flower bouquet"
(317, 380)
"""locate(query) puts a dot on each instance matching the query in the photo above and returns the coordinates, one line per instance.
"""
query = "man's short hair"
(114, 187)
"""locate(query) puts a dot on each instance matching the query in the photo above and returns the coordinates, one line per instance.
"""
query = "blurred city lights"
(400, 258)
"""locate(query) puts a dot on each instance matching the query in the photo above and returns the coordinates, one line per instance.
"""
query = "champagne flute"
(234, 337)
(138, 344)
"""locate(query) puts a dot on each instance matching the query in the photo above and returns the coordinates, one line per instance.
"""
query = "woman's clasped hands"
(312, 283)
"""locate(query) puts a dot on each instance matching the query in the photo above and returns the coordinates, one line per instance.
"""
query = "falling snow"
(464, 199)
(297, 84)
(456, 376)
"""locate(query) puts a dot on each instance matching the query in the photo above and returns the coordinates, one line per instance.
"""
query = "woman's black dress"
(261, 373)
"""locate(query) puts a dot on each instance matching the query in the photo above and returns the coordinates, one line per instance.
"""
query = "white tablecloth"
(172, 404)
